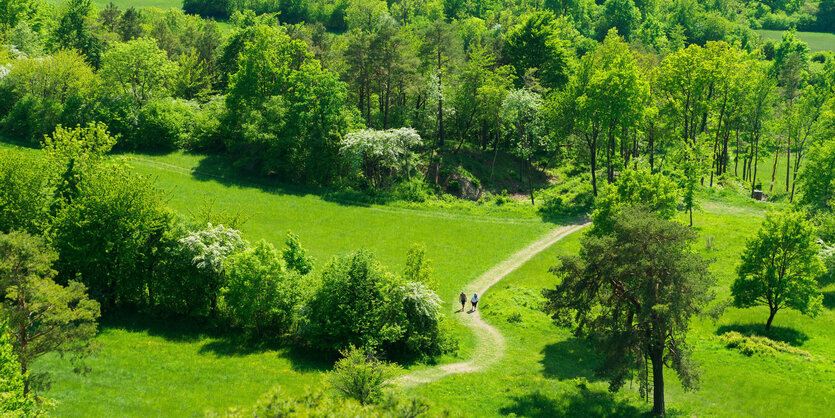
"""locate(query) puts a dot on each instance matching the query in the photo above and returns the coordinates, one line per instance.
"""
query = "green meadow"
(817, 41)
(177, 368)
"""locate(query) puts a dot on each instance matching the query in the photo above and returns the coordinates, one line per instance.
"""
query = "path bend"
(490, 346)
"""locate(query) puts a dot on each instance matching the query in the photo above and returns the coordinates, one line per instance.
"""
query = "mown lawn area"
(548, 372)
(817, 41)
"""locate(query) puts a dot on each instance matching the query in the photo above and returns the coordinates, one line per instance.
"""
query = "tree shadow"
(569, 359)
(217, 341)
(582, 403)
(789, 336)
(829, 299)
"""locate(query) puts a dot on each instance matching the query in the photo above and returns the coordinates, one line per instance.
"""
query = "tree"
(43, 316)
(379, 155)
(260, 292)
(633, 291)
(655, 192)
(74, 31)
(779, 267)
(23, 199)
(130, 25)
(137, 69)
(365, 14)
(522, 122)
(295, 256)
(534, 43)
(209, 250)
(621, 15)
(360, 375)
(438, 51)
(817, 179)
(109, 235)
(419, 267)
(605, 98)
(14, 401)
(353, 305)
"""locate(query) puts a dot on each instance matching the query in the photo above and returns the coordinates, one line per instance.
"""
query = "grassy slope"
(537, 377)
(817, 41)
(150, 368)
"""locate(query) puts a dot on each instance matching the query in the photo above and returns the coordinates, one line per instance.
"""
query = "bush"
(353, 306)
(412, 190)
(358, 303)
(360, 375)
(752, 344)
(260, 293)
(162, 125)
(23, 197)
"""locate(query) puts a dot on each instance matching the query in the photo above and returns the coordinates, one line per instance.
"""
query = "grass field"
(148, 367)
(124, 4)
(548, 372)
(461, 247)
(817, 41)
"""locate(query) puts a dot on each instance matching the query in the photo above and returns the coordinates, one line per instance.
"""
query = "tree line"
(281, 97)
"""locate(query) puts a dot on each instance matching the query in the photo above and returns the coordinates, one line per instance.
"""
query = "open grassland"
(152, 367)
(548, 372)
(124, 4)
(817, 41)
(148, 367)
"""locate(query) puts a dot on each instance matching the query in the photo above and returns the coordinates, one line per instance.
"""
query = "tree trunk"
(788, 161)
(774, 169)
(658, 407)
(770, 318)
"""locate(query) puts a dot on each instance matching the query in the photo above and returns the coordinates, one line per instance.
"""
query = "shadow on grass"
(569, 359)
(218, 342)
(789, 336)
(829, 299)
(583, 403)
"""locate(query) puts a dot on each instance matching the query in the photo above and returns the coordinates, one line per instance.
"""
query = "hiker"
(463, 298)
(474, 301)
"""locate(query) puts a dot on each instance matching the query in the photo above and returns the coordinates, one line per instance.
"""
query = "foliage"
(779, 267)
(109, 233)
(295, 256)
(260, 291)
(45, 316)
(381, 154)
(753, 344)
(655, 192)
(138, 70)
(535, 44)
(633, 291)
(59, 89)
(419, 267)
(13, 400)
(209, 250)
(817, 180)
(23, 193)
(354, 305)
(360, 375)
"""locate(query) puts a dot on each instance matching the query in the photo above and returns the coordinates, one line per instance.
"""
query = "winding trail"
(491, 345)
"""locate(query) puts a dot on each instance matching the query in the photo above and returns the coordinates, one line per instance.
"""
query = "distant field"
(817, 41)
(124, 4)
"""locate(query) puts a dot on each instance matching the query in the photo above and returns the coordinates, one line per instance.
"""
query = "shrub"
(261, 293)
(752, 344)
(23, 196)
(295, 256)
(360, 375)
(353, 306)
(164, 124)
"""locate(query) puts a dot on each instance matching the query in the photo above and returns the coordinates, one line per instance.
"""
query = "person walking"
(474, 301)
(463, 298)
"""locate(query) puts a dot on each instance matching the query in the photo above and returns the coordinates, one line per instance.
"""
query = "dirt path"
(490, 346)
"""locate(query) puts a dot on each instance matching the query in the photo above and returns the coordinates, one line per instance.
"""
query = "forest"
(270, 207)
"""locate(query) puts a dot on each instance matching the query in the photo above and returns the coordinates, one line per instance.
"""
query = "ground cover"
(817, 41)
(548, 372)
(461, 246)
